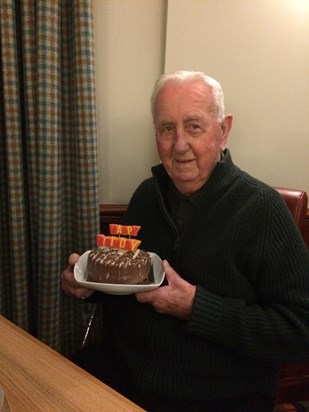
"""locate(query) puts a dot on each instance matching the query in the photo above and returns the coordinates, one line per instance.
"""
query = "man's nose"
(181, 142)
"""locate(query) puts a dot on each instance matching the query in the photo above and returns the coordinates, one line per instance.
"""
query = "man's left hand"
(174, 299)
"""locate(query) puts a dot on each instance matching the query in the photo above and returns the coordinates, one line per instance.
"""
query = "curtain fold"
(48, 157)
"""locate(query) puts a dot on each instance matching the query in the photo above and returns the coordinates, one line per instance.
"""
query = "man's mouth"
(184, 161)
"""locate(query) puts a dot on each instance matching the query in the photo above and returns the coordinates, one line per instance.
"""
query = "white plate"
(80, 274)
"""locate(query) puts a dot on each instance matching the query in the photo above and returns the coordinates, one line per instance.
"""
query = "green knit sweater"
(241, 248)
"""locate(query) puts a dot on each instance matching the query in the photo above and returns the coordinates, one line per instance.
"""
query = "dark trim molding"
(110, 214)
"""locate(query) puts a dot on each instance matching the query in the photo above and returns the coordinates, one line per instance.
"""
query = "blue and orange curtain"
(48, 162)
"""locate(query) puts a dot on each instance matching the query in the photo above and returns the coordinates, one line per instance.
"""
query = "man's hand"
(68, 282)
(175, 299)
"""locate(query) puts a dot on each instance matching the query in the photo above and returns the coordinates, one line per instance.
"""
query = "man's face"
(189, 138)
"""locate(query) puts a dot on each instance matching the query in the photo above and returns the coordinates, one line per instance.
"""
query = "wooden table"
(37, 378)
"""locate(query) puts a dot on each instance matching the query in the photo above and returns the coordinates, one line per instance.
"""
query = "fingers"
(165, 265)
(175, 299)
(170, 273)
(152, 295)
(73, 258)
(68, 282)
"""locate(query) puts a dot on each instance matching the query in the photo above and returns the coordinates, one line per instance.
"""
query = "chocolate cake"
(108, 265)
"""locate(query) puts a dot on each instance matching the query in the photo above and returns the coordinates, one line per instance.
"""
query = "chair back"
(297, 202)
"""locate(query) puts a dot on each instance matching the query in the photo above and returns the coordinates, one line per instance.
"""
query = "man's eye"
(194, 128)
(166, 129)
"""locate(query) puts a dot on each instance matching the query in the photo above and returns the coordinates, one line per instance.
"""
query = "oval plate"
(80, 275)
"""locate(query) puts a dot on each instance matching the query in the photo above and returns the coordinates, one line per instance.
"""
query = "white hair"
(181, 76)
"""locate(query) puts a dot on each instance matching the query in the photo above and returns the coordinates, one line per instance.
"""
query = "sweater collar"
(219, 180)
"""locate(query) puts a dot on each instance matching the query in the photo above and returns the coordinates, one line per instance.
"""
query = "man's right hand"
(68, 282)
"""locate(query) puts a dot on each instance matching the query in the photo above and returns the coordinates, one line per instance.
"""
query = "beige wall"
(259, 51)
(129, 53)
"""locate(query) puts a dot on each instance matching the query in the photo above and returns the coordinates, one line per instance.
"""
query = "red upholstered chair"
(297, 202)
(294, 377)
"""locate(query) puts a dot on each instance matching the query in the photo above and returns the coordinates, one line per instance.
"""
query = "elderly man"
(236, 298)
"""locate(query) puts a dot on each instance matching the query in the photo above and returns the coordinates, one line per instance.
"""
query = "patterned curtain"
(48, 162)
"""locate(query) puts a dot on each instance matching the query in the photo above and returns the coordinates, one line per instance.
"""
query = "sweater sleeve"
(276, 326)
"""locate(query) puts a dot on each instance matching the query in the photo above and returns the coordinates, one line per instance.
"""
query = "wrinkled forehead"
(189, 95)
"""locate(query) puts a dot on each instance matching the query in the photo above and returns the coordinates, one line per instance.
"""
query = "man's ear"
(226, 126)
